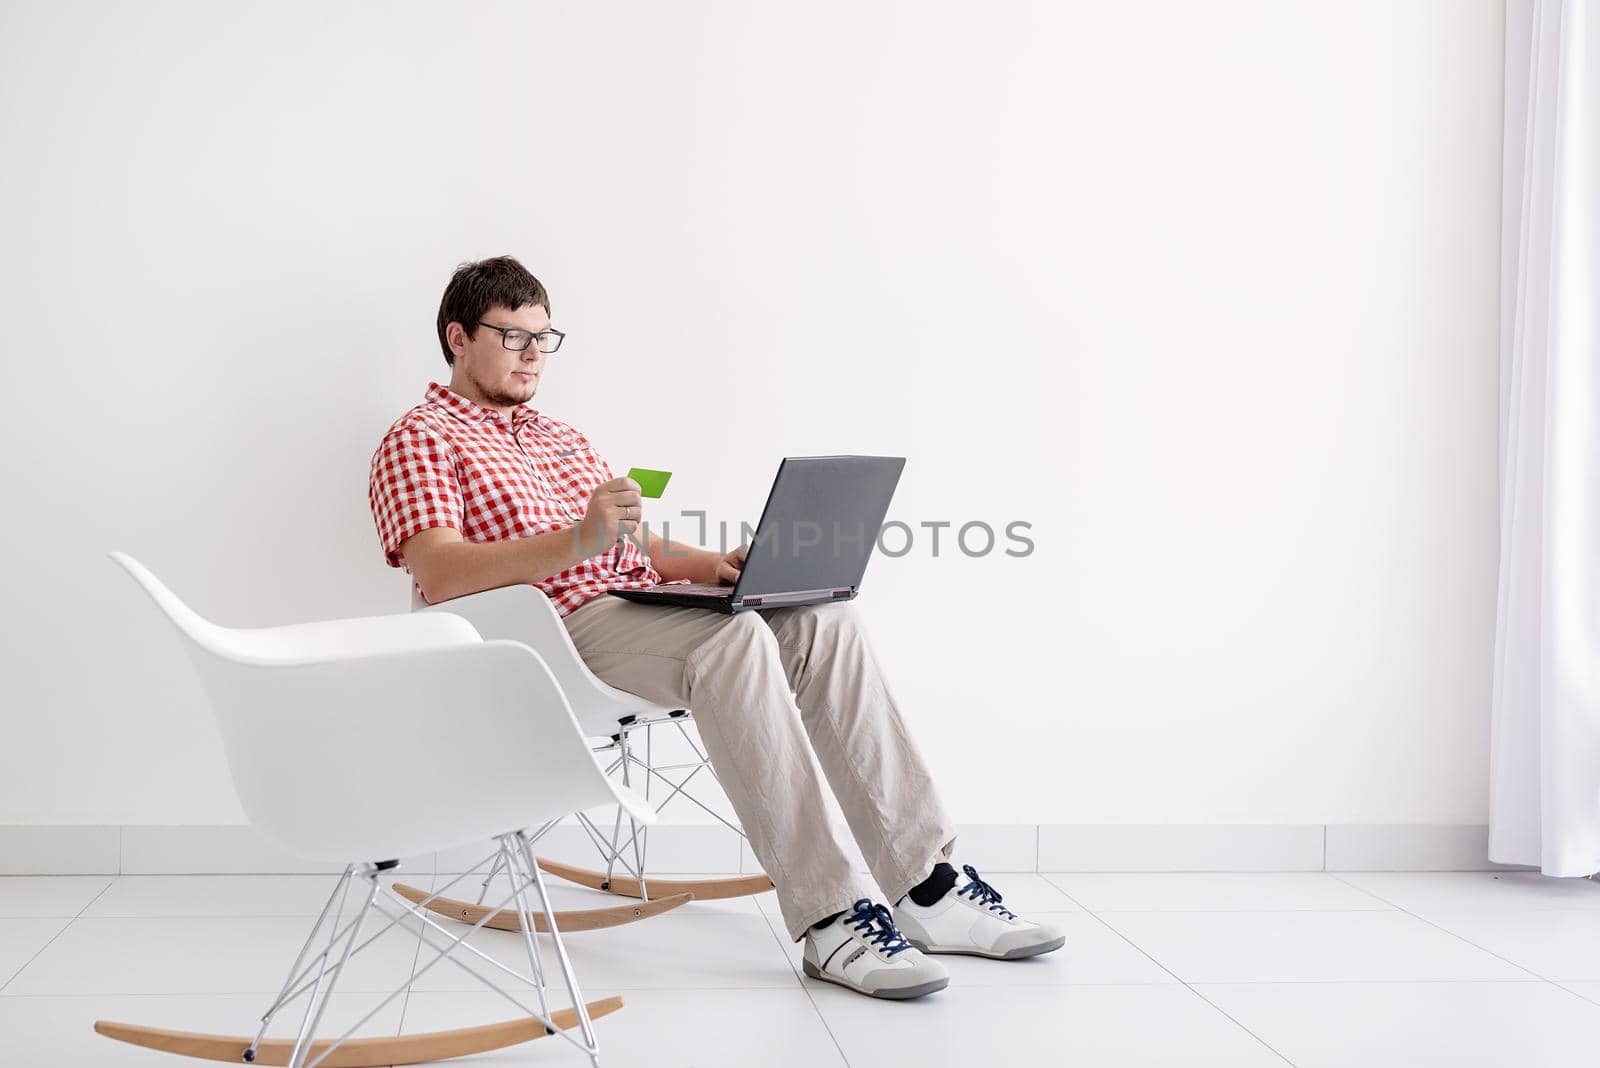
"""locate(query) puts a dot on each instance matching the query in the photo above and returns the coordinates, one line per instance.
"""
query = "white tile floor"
(1309, 969)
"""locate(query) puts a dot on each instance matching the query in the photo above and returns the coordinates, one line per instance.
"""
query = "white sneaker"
(862, 950)
(971, 920)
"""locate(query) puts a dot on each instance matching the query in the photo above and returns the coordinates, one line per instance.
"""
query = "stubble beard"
(522, 395)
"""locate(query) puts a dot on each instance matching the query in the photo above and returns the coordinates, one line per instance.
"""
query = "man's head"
(483, 301)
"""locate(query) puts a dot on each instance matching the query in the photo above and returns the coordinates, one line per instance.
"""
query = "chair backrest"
(389, 736)
(523, 613)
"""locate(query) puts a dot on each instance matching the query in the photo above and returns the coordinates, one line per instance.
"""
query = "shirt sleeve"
(414, 486)
(625, 557)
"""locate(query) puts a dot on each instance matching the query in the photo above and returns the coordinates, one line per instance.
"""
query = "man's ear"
(455, 335)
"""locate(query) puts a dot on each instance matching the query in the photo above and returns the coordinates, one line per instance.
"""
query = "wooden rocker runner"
(512, 920)
(668, 894)
(309, 715)
(613, 719)
(356, 1052)
(625, 886)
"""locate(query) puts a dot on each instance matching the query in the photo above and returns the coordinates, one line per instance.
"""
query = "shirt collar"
(470, 412)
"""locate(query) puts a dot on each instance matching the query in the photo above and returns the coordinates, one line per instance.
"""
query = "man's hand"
(615, 509)
(729, 567)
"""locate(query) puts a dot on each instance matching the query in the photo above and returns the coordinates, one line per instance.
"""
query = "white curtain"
(1545, 745)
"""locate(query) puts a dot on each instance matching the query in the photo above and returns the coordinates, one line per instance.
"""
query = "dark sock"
(820, 924)
(934, 886)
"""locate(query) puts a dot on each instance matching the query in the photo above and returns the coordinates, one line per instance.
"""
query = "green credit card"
(651, 483)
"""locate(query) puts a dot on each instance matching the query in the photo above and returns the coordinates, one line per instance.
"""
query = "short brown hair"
(477, 287)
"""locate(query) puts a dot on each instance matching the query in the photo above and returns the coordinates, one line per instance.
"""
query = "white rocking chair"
(306, 712)
(610, 718)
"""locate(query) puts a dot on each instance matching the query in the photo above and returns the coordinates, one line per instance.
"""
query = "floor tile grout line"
(1388, 906)
(382, 991)
(802, 983)
(1563, 985)
(1139, 949)
(1264, 1043)
(1462, 938)
(1391, 908)
(1360, 890)
(1240, 912)
(1461, 908)
(405, 1002)
(1187, 986)
(1064, 892)
(70, 921)
(379, 991)
(1532, 976)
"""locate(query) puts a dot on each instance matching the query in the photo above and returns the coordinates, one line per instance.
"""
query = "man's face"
(498, 376)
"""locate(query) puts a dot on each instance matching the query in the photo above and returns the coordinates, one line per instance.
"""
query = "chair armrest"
(524, 614)
(334, 639)
(519, 613)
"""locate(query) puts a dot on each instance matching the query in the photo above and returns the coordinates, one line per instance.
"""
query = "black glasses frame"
(505, 333)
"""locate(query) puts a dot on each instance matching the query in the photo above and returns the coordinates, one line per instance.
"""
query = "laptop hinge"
(775, 600)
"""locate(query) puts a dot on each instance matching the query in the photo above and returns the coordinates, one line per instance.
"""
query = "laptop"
(813, 542)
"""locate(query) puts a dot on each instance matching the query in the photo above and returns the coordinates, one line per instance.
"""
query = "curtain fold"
(1545, 722)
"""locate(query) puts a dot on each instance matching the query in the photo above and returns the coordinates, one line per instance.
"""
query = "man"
(472, 490)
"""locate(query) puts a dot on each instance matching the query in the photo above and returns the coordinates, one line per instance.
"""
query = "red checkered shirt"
(451, 463)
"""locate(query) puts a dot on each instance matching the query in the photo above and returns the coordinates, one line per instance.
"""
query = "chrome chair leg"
(289, 980)
(317, 1004)
(319, 978)
(567, 973)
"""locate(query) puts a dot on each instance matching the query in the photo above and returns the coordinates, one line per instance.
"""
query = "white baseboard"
(1410, 847)
(712, 848)
(66, 850)
(1208, 847)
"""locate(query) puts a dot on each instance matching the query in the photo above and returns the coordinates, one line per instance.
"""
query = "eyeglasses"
(519, 340)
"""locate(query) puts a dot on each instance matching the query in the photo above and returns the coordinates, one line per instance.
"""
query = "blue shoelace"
(876, 922)
(983, 893)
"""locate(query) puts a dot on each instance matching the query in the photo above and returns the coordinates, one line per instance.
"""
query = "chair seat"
(524, 614)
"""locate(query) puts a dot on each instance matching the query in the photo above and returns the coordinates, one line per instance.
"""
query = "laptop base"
(668, 594)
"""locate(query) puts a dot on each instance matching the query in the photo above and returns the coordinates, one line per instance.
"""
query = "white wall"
(1206, 292)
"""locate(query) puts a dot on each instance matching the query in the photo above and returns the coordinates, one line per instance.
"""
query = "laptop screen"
(820, 523)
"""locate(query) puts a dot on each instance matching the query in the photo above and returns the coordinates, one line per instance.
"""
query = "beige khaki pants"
(768, 689)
